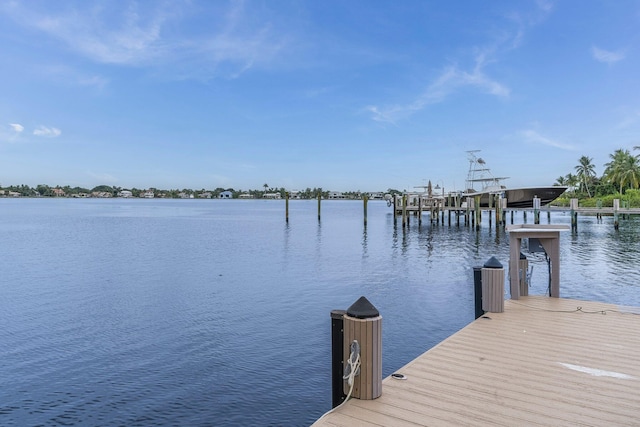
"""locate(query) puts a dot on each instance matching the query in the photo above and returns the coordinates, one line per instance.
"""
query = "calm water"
(216, 312)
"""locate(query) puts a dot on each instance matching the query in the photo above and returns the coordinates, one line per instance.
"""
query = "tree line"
(43, 190)
(620, 179)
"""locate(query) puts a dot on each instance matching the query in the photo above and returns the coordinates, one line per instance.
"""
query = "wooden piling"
(478, 213)
(319, 198)
(365, 200)
(363, 323)
(395, 208)
(536, 210)
(616, 208)
(523, 267)
(404, 211)
(573, 204)
(493, 286)
(286, 209)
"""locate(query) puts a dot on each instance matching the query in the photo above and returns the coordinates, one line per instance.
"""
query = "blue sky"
(343, 95)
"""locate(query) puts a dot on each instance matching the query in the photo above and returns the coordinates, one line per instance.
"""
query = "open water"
(216, 312)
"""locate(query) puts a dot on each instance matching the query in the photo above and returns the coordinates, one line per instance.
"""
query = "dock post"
(363, 323)
(395, 208)
(573, 203)
(404, 211)
(477, 291)
(478, 213)
(419, 210)
(523, 267)
(616, 208)
(493, 286)
(286, 206)
(512, 216)
(337, 353)
(365, 200)
(491, 200)
(536, 210)
(319, 198)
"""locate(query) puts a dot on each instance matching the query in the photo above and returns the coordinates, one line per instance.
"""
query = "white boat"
(522, 197)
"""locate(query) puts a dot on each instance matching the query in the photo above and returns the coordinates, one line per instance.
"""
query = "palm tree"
(623, 169)
(631, 172)
(571, 181)
(561, 181)
(614, 170)
(586, 172)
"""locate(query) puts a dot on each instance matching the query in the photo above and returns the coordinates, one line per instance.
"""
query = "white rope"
(351, 371)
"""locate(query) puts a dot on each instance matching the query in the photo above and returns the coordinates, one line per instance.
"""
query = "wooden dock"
(542, 362)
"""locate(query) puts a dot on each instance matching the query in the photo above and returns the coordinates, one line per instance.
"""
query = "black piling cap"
(492, 263)
(362, 309)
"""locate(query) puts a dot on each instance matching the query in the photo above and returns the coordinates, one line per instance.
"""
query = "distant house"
(58, 192)
(246, 196)
(14, 194)
(101, 194)
(225, 195)
(336, 195)
(149, 194)
(125, 193)
(271, 196)
(294, 194)
(205, 195)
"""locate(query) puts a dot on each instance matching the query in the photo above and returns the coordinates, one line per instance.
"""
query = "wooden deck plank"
(544, 361)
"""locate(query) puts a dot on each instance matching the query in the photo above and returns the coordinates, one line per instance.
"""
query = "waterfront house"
(246, 196)
(58, 192)
(225, 195)
(125, 193)
(101, 194)
(271, 196)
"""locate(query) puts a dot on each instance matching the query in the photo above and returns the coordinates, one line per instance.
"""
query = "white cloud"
(11, 132)
(451, 80)
(609, 57)
(455, 78)
(16, 127)
(533, 137)
(143, 35)
(47, 132)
